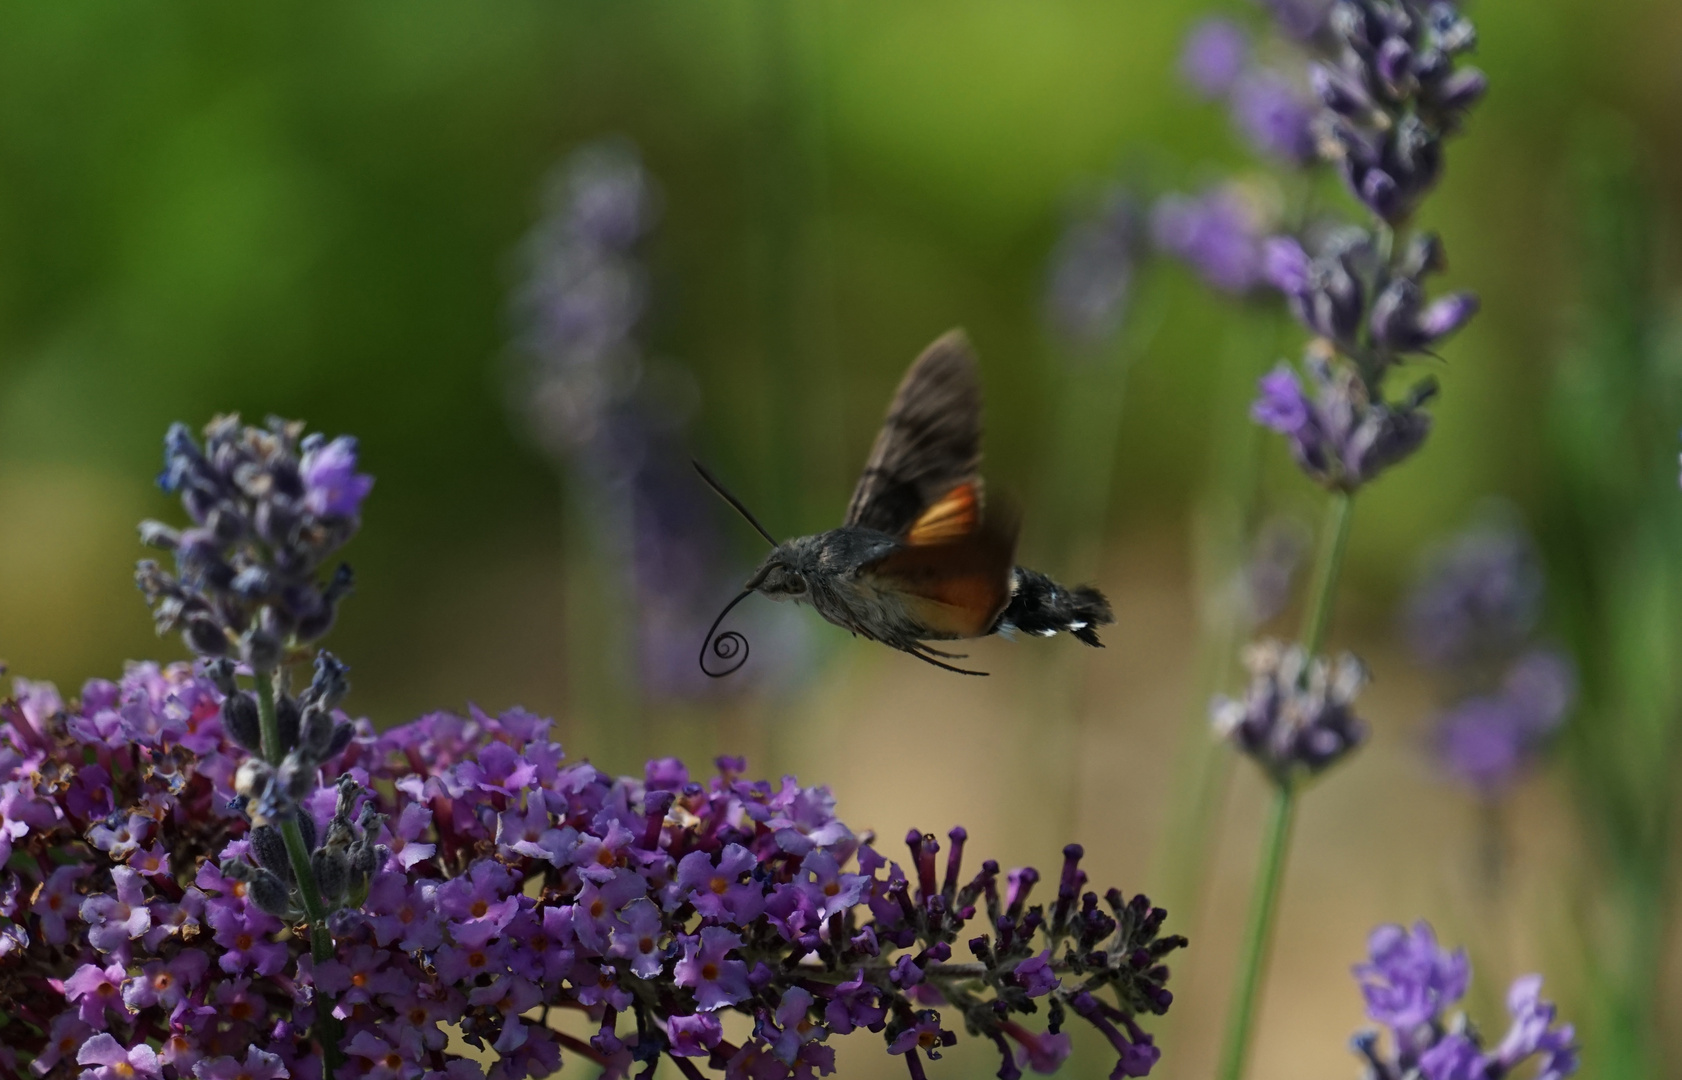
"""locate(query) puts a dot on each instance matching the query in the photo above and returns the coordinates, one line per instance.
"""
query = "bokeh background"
(327, 211)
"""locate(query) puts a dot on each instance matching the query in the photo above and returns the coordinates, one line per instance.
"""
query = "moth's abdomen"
(1038, 605)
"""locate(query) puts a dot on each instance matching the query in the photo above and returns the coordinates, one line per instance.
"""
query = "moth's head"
(785, 574)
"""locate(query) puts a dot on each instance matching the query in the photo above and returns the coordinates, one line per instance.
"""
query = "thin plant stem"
(1339, 515)
(1264, 902)
(298, 854)
(1258, 935)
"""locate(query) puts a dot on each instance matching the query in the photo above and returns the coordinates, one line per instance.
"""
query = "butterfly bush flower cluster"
(512, 884)
(1411, 984)
(204, 874)
(1471, 618)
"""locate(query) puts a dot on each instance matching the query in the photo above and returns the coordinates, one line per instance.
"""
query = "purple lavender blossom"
(1339, 436)
(1217, 233)
(1091, 270)
(604, 411)
(1274, 116)
(1487, 742)
(1215, 54)
(1476, 597)
(1297, 715)
(1411, 983)
(1409, 979)
(332, 486)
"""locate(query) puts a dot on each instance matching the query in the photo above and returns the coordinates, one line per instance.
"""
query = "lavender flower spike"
(1214, 56)
(1297, 716)
(1411, 983)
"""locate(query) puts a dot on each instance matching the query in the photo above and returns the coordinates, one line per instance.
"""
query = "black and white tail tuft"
(1040, 606)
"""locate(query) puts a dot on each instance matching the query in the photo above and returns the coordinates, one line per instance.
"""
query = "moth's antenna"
(712, 482)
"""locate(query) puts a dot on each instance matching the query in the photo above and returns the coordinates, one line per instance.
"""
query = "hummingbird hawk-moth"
(917, 558)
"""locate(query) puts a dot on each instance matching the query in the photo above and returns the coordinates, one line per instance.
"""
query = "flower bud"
(204, 637)
(270, 894)
(259, 650)
(158, 535)
(287, 721)
(253, 583)
(296, 776)
(253, 778)
(332, 875)
(342, 735)
(239, 719)
(221, 672)
(329, 685)
(316, 732)
(270, 849)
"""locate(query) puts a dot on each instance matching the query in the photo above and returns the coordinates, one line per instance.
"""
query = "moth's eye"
(796, 585)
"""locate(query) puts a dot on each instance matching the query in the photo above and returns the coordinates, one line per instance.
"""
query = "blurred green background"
(316, 211)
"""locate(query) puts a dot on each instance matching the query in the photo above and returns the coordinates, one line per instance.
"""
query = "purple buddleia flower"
(256, 1066)
(109, 1060)
(694, 1035)
(57, 902)
(475, 935)
(1215, 54)
(707, 971)
(1218, 233)
(117, 918)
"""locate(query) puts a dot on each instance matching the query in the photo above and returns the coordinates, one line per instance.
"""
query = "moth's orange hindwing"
(953, 516)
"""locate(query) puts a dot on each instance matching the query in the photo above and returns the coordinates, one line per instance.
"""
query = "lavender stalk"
(1391, 90)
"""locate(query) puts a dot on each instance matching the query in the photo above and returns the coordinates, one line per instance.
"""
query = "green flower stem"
(1258, 935)
(1330, 565)
(297, 852)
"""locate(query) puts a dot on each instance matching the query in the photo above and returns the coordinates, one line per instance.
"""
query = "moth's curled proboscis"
(730, 647)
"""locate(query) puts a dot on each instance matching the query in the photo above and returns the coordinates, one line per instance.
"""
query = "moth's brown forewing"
(930, 442)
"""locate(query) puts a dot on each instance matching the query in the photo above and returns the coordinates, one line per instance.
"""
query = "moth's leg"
(915, 650)
(932, 651)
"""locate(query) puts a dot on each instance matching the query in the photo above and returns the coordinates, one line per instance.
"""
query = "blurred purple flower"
(1214, 56)
(1218, 233)
(612, 416)
(1411, 983)
(1275, 116)
(1487, 741)
(1477, 596)
(1409, 979)
(1091, 271)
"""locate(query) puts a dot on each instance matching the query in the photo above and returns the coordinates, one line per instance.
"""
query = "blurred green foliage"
(311, 211)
